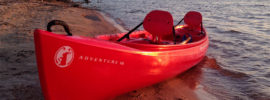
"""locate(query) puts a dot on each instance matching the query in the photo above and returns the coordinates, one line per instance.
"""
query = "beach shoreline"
(18, 71)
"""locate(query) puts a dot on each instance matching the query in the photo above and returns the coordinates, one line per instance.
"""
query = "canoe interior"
(142, 40)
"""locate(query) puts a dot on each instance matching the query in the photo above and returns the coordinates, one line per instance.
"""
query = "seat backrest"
(158, 23)
(193, 19)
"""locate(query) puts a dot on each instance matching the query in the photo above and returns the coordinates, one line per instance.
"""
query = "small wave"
(214, 27)
(117, 23)
(212, 45)
(136, 11)
(231, 53)
(233, 74)
(258, 5)
(233, 31)
(267, 75)
(212, 63)
(267, 61)
(222, 42)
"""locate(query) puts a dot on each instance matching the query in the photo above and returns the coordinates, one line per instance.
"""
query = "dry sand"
(18, 70)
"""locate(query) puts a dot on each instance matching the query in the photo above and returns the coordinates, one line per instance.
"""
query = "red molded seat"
(159, 24)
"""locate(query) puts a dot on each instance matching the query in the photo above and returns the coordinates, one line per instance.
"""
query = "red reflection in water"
(177, 88)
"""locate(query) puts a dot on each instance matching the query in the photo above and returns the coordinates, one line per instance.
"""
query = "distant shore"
(18, 71)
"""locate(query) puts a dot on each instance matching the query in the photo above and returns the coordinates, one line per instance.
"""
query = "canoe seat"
(192, 27)
(159, 24)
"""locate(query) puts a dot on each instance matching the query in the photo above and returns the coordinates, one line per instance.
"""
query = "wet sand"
(18, 70)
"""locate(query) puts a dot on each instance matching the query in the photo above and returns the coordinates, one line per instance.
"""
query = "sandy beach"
(18, 71)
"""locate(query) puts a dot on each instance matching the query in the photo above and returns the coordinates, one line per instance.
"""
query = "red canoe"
(83, 68)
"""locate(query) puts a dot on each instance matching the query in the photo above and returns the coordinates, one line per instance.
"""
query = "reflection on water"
(239, 32)
(181, 87)
(178, 88)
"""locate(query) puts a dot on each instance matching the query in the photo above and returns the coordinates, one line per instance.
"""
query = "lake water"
(239, 32)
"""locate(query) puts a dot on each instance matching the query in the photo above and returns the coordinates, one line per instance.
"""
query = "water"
(239, 32)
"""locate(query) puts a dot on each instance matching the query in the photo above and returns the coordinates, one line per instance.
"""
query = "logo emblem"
(64, 56)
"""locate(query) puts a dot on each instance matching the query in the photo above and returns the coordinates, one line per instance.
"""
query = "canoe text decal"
(101, 60)
(64, 56)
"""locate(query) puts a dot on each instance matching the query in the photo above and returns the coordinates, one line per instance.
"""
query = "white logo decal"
(64, 56)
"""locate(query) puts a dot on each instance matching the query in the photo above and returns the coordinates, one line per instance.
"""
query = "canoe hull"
(77, 68)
